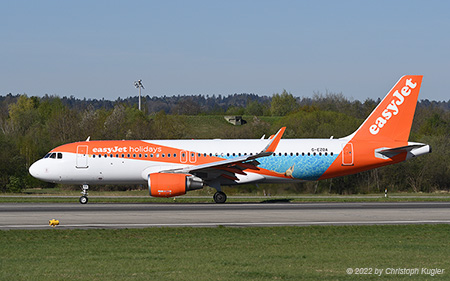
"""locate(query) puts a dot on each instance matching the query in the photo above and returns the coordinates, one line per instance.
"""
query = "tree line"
(31, 126)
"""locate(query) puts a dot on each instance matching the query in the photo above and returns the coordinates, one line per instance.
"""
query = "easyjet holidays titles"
(127, 149)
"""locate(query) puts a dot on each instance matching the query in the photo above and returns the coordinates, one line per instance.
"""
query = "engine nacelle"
(169, 185)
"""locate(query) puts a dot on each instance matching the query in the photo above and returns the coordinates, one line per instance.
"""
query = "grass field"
(58, 195)
(282, 253)
(209, 199)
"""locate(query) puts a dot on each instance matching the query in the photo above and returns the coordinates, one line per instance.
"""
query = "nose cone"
(39, 170)
(33, 170)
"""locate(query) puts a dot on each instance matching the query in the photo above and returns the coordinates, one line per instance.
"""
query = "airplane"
(174, 167)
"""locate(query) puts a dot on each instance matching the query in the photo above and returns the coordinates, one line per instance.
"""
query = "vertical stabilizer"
(391, 120)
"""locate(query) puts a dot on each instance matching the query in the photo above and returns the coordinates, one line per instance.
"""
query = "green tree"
(283, 104)
(254, 108)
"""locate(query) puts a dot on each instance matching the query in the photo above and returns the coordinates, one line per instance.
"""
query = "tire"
(83, 199)
(220, 197)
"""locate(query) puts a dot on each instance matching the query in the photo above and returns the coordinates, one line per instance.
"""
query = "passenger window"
(174, 155)
(140, 155)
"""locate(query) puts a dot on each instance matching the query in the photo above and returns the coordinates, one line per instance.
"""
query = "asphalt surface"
(75, 215)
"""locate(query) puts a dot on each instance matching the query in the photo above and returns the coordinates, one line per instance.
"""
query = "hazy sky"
(97, 49)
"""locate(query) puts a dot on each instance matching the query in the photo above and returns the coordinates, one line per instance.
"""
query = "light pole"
(138, 84)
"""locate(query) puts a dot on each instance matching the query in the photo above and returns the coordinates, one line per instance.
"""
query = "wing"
(228, 168)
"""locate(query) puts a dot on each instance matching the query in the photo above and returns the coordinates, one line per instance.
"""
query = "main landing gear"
(84, 194)
(220, 197)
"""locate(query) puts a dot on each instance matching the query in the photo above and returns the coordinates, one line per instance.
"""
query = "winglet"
(270, 148)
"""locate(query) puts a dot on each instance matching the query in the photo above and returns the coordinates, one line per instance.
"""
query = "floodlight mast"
(138, 84)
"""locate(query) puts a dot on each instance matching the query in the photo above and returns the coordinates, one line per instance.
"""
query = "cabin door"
(347, 154)
(82, 156)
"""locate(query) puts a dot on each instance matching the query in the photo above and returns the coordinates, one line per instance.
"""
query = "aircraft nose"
(35, 170)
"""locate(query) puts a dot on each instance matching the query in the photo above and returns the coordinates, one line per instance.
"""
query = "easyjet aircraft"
(173, 167)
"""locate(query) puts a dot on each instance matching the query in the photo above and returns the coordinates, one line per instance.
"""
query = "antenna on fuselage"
(88, 139)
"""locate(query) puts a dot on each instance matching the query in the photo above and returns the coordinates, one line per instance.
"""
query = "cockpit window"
(54, 155)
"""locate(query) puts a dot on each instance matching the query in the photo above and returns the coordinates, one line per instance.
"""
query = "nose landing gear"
(84, 194)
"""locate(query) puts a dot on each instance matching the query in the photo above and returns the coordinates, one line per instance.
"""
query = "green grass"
(49, 195)
(283, 253)
(286, 199)
(215, 126)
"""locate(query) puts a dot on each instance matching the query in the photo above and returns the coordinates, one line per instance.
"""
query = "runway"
(73, 216)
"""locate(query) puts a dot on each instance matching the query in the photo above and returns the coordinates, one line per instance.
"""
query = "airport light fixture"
(138, 84)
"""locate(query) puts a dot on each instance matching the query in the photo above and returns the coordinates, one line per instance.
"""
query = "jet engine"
(169, 185)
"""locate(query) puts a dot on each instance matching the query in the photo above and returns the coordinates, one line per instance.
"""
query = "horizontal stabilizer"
(412, 150)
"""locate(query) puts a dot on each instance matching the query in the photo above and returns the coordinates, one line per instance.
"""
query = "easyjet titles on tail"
(392, 107)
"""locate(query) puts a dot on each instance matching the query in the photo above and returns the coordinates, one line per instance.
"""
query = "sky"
(97, 49)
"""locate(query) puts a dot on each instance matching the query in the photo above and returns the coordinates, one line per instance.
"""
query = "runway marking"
(213, 224)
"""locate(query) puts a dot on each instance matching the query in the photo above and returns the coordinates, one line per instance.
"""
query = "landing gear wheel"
(84, 194)
(220, 197)
(83, 199)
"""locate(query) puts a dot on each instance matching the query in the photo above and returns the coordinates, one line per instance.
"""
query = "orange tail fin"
(391, 120)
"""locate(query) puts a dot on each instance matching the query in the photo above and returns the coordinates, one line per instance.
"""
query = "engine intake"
(169, 185)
